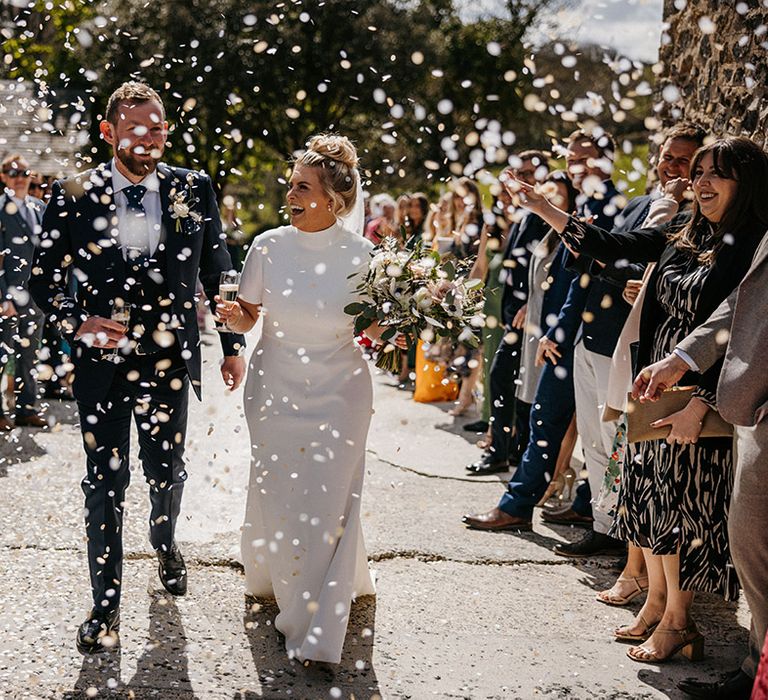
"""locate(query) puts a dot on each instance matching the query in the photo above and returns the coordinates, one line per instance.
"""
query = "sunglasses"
(15, 172)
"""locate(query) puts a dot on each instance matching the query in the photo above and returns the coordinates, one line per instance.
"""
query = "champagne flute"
(121, 313)
(229, 285)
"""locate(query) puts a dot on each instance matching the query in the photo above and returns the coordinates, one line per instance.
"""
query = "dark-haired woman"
(418, 208)
(675, 494)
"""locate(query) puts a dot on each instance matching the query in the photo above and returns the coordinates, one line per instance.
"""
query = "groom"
(132, 233)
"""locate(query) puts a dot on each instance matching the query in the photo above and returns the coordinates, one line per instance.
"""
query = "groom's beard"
(134, 165)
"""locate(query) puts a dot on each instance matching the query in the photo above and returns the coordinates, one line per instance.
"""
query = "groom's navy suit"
(81, 241)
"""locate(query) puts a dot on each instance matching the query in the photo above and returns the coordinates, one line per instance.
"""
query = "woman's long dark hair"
(735, 158)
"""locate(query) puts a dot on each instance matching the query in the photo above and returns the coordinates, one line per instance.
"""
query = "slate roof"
(49, 131)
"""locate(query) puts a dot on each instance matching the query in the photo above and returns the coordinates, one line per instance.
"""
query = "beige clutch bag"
(641, 415)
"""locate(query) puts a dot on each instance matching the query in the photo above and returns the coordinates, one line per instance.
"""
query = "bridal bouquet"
(411, 291)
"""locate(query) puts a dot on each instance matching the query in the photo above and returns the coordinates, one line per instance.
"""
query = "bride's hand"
(230, 313)
(401, 341)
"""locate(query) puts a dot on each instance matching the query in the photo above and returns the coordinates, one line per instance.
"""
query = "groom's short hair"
(129, 93)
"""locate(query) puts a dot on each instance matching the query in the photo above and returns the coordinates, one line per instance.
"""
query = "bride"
(308, 405)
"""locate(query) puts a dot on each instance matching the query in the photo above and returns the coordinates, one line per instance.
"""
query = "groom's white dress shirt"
(140, 233)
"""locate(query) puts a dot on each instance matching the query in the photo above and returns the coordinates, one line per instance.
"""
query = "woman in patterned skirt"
(675, 493)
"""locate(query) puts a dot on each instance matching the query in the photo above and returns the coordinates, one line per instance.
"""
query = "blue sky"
(631, 26)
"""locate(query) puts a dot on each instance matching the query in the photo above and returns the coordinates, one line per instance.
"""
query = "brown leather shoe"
(496, 519)
(5, 424)
(32, 421)
(567, 517)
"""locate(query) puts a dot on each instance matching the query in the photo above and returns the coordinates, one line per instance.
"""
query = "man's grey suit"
(738, 330)
(19, 335)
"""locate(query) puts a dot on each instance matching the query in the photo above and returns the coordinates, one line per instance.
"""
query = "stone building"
(714, 57)
(49, 131)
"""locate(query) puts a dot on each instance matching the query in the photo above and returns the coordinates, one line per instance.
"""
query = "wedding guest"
(503, 360)
(383, 222)
(402, 214)
(547, 287)
(468, 206)
(608, 313)
(21, 322)
(588, 161)
(488, 267)
(440, 224)
(417, 215)
(675, 493)
(672, 195)
(736, 334)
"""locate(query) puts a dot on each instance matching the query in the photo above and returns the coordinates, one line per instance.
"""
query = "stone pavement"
(459, 614)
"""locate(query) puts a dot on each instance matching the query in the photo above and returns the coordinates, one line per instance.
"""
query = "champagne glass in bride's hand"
(229, 285)
(121, 313)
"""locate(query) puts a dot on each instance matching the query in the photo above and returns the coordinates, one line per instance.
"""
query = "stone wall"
(714, 66)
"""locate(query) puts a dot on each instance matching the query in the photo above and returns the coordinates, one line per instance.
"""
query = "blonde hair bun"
(334, 147)
(336, 158)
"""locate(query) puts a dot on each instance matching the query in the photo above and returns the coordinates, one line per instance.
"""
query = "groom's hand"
(233, 371)
(99, 332)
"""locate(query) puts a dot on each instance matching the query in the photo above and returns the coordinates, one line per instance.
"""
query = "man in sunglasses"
(21, 321)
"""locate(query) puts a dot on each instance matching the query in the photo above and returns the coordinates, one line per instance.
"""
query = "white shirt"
(141, 233)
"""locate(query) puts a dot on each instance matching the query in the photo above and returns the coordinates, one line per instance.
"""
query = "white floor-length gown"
(308, 405)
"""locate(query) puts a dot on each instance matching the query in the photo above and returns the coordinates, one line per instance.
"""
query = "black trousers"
(154, 390)
(20, 338)
(509, 426)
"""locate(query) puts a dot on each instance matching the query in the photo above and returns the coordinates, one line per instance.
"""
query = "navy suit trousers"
(551, 413)
(154, 390)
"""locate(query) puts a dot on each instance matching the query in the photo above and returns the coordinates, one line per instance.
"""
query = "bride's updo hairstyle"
(336, 157)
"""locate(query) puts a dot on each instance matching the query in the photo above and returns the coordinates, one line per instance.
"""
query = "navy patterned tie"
(135, 194)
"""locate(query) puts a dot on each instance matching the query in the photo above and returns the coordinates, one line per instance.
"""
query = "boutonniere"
(181, 208)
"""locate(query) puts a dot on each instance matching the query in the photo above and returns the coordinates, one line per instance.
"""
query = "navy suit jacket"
(80, 238)
(522, 239)
(17, 249)
(605, 311)
(582, 294)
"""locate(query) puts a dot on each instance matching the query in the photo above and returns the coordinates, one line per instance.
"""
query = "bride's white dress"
(308, 405)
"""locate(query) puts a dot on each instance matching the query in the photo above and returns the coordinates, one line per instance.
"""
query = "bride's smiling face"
(309, 206)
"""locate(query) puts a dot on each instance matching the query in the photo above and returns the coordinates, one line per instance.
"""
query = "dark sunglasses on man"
(16, 172)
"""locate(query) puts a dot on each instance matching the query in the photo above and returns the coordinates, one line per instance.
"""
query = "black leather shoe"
(99, 632)
(566, 516)
(172, 571)
(591, 544)
(488, 464)
(735, 685)
(479, 426)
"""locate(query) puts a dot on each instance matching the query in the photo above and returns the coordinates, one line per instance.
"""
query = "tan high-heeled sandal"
(691, 646)
(610, 598)
(622, 636)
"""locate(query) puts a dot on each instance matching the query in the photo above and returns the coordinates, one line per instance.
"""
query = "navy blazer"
(522, 239)
(605, 310)
(602, 212)
(559, 289)
(80, 238)
(17, 248)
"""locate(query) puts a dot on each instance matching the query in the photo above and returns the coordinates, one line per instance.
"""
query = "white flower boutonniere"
(181, 208)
